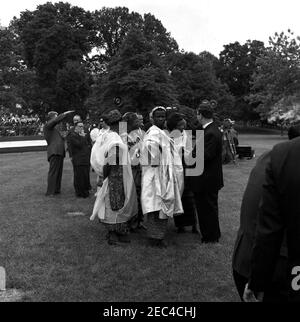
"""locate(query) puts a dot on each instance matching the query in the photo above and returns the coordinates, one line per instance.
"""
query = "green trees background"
(62, 57)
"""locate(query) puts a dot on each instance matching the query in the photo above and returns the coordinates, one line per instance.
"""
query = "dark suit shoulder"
(281, 151)
(264, 157)
(212, 127)
(284, 147)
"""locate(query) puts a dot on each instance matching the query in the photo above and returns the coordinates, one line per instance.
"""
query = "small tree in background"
(53, 36)
(277, 76)
(72, 87)
(236, 65)
(195, 79)
(114, 24)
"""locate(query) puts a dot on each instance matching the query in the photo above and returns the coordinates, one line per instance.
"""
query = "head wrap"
(155, 109)
(113, 117)
(129, 117)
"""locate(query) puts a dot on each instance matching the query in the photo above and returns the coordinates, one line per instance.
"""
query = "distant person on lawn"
(55, 151)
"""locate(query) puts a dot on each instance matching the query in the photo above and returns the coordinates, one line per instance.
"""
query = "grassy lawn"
(51, 256)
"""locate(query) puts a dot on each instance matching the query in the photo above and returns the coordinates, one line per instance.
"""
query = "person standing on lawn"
(161, 197)
(241, 260)
(55, 151)
(116, 201)
(207, 185)
(133, 138)
(176, 124)
(80, 148)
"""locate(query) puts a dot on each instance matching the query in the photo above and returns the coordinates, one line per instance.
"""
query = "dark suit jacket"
(279, 212)
(79, 148)
(70, 132)
(248, 217)
(56, 143)
(212, 176)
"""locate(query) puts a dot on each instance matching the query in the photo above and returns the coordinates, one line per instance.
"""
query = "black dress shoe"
(82, 195)
(210, 241)
(152, 242)
(124, 238)
(157, 243)
(194, 230)
(161, 244)
(112, 238)
(180, 230)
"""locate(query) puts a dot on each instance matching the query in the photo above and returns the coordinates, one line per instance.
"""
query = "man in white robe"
(160, 196)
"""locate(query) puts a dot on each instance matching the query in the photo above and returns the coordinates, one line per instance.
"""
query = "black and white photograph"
(149, 154)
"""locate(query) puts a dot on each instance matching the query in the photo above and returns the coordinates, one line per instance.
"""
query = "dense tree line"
(62, 57)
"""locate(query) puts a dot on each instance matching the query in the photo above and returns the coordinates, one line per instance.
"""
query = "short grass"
(54, 257)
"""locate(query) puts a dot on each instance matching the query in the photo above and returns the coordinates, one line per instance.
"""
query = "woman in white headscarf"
(116, 201)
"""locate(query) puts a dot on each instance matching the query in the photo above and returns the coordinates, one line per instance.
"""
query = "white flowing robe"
(98, 160)
(183, 147)
(160, 185)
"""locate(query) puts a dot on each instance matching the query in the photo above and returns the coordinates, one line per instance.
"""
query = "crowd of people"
(146, 178)
(143, 173)
(14, 125)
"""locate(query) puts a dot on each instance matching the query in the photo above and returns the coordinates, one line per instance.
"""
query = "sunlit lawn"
(51, 256)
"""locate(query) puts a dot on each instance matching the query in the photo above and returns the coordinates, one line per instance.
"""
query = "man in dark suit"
(246, 233)
(278, 216)
(206, 186)
(80, 149)
(55, 151)
(77, 119)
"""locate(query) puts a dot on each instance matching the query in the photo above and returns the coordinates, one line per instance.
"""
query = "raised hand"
(249, 295)
(69, 112)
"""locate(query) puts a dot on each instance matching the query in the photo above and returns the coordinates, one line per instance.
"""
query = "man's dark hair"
(206, 112)
(294, 131)
(205, 109)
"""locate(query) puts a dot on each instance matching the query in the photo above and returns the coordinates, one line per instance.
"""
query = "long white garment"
(183, 147)
(99, 156)
(160, 186)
